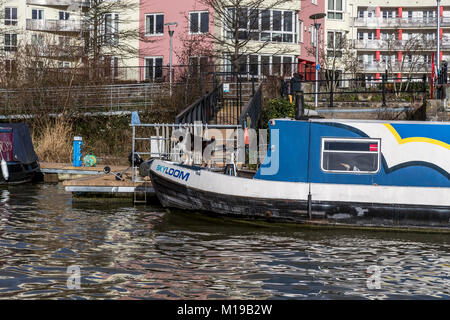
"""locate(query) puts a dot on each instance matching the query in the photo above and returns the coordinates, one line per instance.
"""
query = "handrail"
(252, 109)
(203, 109)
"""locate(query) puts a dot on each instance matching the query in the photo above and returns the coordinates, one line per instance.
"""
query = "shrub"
(277, 108)
(54, 141)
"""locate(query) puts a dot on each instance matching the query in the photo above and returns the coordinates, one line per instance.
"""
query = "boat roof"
(364, 121)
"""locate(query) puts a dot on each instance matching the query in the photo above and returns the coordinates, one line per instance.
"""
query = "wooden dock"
(90, 183)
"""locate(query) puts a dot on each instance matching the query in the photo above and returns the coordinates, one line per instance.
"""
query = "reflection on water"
(146, 252)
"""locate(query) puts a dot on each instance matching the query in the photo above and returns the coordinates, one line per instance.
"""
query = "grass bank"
(106, 137)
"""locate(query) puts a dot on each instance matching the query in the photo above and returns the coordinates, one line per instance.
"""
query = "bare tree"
(110, 31)
(336, 57)
(243, 34)
(412, 57)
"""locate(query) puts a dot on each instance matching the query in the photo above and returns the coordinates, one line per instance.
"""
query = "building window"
(335, 9)
(262, 65)
(111, 68)
(429, 16)
(300, 34)
(111, 27)
(64, 15)
(10, 66)
(64, 64)
(10, 16)
(262, 25)
(37, 39)
(198, 22)
(37, 14)
(388, 14)
(198, 65)
(350, 155)
(10, 42)
(335, 43)
(154, 24)
(153, 68)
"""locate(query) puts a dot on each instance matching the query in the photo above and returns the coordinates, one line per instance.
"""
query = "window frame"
(111, 32)
(340, 139)
(199, 21)
(334, 11)
(10, 66)
(38, 15)
(197, 67)
(65, 15)
(271, 67)
(153, 78)
(11, 21)
(12, 45)
(336, 48)
(154, 34)
(263, 32)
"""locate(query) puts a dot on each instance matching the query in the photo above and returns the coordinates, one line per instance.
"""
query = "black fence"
(351, 89)
(203, 109)
(252, 110)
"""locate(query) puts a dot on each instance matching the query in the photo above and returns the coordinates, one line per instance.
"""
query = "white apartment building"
(389, 36)
(274, 39)
(56, 32)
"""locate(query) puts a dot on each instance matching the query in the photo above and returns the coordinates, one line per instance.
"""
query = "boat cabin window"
(350, 155)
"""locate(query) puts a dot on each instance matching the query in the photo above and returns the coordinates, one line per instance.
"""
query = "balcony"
(58, 3)
(380, 67)
(401, 45)
(393, 23)
(60, 51)
(54, 25)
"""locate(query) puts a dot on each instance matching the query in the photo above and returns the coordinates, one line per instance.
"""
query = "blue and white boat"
(337, 171)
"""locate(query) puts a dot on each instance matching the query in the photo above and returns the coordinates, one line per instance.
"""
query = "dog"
(184, 148)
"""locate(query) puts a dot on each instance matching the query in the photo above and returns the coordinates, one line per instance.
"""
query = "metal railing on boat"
(159, 140)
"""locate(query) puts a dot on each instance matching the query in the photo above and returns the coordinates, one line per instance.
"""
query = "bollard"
(383, 89)
(77, 146)
(299, 105)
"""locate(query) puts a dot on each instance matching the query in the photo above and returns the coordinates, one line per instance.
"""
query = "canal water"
(146, 252)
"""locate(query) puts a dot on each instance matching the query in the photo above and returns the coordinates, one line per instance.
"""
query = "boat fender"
(246, 137)
(5, 171)
(268, 214)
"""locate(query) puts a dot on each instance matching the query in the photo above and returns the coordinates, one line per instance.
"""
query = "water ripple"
(145, 252)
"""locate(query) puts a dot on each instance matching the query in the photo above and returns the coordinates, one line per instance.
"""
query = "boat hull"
(181, 195)
(20, 173)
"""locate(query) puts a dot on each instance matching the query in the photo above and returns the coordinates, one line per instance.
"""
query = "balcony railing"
(54, 25)
(57, 51)
(58, 3)
(380, 67)
(399, 45)
(378, 22)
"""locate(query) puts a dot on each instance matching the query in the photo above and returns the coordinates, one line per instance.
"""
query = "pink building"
(193, 19)
(306, 59)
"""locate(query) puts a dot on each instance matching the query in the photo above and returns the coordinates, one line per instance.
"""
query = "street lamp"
(169, 24)
(315, 17)
(438, 55)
